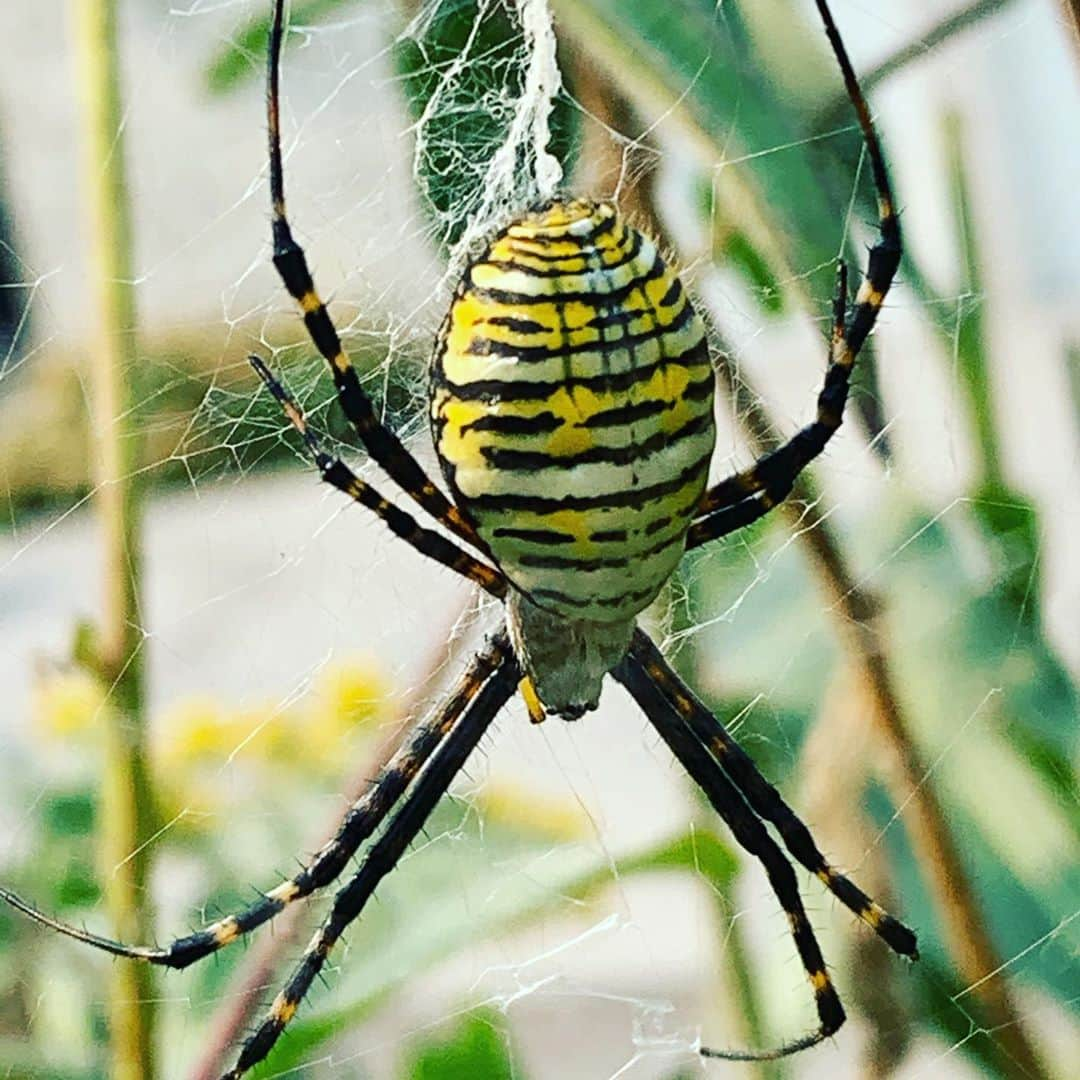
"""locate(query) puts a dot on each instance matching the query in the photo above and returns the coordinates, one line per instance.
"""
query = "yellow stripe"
(587, 336)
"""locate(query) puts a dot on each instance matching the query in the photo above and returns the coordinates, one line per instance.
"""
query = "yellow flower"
(506, 804)
(67, 703)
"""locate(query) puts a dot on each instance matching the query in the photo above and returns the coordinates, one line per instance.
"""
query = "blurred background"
(204, 653)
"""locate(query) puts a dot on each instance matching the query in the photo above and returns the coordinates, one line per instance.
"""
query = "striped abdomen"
(572, 409)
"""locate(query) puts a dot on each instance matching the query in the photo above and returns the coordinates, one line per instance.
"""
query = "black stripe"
(532, 271)
(510, 460)
(611, 500)
(605, 225)
(673, 293)
(643, 410)
(607, 317)
(499, 390)
(621, 599)
(606, 536)
(627, 414)
(534, 536)
(538, 354)
(568, 562)
(614, 296)
(586, 252)
(701, 390)
(519, 326)
(540, 424)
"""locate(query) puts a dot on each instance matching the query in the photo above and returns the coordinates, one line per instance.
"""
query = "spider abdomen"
(572, 409)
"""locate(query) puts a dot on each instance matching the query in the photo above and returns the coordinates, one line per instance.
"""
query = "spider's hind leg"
(765, 800)
(752, 836)
(385, 854)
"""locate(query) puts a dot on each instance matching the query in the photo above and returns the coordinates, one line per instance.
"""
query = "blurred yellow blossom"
(66, 702)
(529, 813)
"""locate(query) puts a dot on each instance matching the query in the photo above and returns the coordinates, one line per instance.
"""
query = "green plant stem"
(970, 346)
(126, 817)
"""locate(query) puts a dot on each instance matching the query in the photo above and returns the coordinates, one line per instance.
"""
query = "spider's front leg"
(291, 264)
(363, 818)
(749, 495)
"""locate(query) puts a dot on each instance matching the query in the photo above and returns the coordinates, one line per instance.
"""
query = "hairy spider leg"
(765, 800)
(382, 858)
(361, 820)
(381, 443)
(772, 478)
(751, 834)
(745, 497)
(336, 473)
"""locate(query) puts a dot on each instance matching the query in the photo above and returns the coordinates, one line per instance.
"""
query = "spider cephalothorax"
(572, 410)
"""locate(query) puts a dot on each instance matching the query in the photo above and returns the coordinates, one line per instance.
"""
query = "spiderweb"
(289, 638)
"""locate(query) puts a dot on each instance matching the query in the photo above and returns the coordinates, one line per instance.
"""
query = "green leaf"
(244, 56)
(473, 113)
(69, 813)
(476, 1048)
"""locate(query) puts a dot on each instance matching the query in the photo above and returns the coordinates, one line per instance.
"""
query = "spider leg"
(382, 858)
(750, 833)
(750, 494)
(741, 499)
(381, 443)
(361, 820)
(336, 473)
(764, 799)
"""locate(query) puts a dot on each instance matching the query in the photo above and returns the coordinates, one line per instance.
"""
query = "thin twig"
(1072, 14)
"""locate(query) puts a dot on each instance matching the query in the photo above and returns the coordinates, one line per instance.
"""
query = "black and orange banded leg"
(382, 858)
(765, 800)
(751, 835)
(381, 443)
(742, 499)
(336, 473)
(750, 494)
(361, 820)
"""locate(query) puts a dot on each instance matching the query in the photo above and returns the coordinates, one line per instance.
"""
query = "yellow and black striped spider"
(572, 411)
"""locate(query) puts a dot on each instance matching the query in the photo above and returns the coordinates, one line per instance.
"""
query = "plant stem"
(126, 815)
(972, 355)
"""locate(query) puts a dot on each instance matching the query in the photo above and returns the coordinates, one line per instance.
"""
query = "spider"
(572, 410)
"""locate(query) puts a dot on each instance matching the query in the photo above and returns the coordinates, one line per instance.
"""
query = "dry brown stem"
(857, 615)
